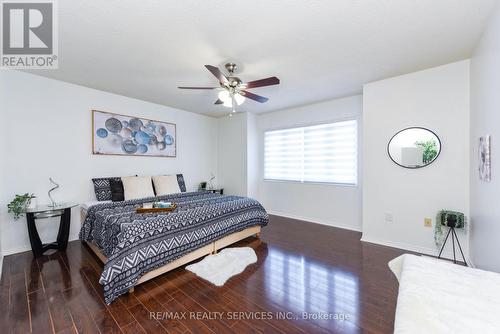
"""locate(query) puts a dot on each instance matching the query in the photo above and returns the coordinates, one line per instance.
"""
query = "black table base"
(454, 237)
(62, 236)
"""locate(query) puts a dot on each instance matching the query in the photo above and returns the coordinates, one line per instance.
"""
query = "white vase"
(32, 203)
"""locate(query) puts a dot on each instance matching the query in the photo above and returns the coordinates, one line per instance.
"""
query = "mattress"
(139, 243)
(440, 297)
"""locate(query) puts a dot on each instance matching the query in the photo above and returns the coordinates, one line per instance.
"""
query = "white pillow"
(135, 187)
(166, 184)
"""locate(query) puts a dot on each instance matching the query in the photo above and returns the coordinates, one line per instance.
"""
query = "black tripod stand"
(453, 237)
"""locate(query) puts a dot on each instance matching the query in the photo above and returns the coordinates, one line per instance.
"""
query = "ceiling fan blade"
(197, 87)
(217, 73)
(262, 82)
(219, 101)
(253, 96)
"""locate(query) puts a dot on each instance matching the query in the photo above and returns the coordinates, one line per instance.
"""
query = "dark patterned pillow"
(182, 184)
(117, 192)
(102, 188)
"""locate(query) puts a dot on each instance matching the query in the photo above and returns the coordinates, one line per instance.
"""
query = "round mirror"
(414, 147)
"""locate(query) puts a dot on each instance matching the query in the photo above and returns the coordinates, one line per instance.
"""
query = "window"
(321, 153)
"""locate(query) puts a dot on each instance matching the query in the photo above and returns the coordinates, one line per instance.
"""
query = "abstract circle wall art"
(115, 134)
(169, 140)
(102, 133)
(485, 158)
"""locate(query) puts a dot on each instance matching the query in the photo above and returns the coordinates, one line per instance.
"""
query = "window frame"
(303, 125)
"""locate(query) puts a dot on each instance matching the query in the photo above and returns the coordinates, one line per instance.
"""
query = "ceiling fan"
(233, 91)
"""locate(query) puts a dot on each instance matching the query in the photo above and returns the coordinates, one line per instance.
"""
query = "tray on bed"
(156, 210)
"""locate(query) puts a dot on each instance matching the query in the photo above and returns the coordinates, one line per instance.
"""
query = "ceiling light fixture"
(225, 96)
(239, 99)
(234, 91)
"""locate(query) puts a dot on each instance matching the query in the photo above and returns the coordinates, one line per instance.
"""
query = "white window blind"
(320, 153)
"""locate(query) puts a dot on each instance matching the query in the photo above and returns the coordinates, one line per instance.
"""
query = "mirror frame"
(414, 127)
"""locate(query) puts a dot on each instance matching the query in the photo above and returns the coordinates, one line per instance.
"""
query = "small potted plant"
(446, 219)
(19, 204)
(156, 202)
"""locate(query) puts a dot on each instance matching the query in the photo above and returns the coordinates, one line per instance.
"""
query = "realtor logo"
(29, 39)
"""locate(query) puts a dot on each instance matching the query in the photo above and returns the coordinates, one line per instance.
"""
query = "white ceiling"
(320, 49)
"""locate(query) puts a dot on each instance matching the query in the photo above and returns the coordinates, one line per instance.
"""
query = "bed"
(441, 297)
(137, 247)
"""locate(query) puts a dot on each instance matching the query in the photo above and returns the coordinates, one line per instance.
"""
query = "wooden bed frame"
(211, 248)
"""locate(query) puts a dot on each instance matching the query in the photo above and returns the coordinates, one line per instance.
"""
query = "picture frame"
(485, 158)
(118, 134)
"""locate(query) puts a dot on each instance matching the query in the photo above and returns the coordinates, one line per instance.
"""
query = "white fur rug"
(218, 268)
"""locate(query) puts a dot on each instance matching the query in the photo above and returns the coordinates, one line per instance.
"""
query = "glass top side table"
(62, 210)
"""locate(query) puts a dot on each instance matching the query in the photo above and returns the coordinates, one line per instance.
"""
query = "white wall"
(2, 204)
(252, 156)
(438, 99)
(232, 154)
(238, 149)
(334, 205)
(47, 132)
(485, 119)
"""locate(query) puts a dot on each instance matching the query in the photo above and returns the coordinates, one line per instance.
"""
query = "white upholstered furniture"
(442, 297)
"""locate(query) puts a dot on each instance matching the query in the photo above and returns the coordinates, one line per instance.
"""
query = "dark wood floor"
(302, 267)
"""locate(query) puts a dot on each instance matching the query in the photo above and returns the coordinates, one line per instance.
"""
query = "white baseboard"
(469, 262)
(417, 249)
(315, 221)
(25, 248)
(15, 250)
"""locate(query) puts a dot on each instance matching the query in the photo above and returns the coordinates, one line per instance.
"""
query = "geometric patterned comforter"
(138, 243)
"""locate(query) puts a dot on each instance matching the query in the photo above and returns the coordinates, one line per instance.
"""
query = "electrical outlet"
(427, 222)
(388, 217)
